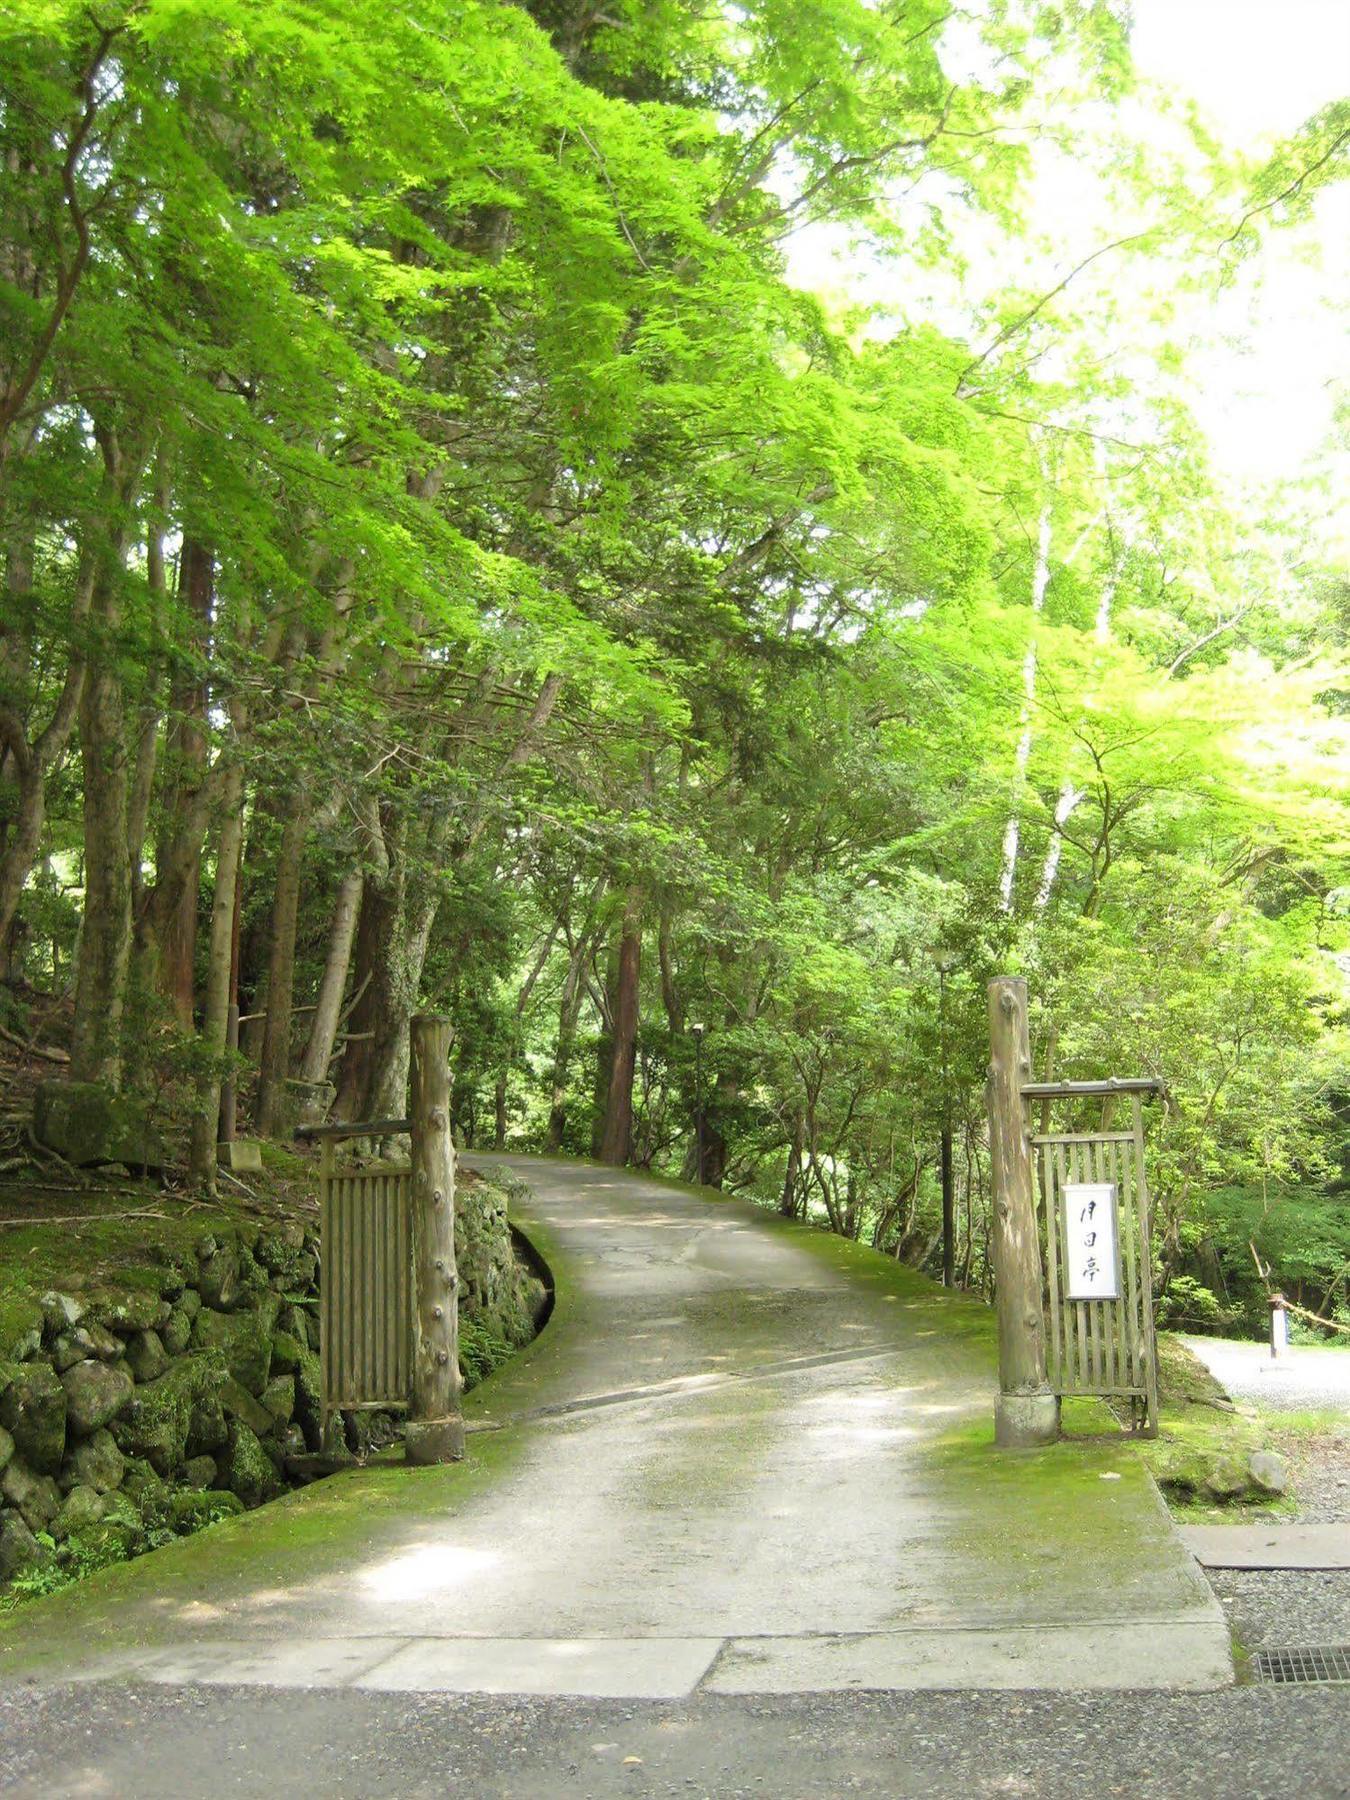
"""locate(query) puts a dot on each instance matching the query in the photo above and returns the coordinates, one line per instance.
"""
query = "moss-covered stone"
(125, 1310)
(95, 1393)
(146, 1356)
(309, 1399)
(200, 1471)
(20, 1329)
(60, 1311)
(156, 1421)
(88, 1124)
(243, 1340)
(96, 1463)
(6, 1446)
(177, 1333)
(286, 1353)
(19, 1549)
(191, 1509)
(35, 1497)
(244, 1467)
(86, 1340)
(33, 1411)
(279, 1398)
(240, 1404)
(81, 1508)
(218, 1275)
(281, 1251)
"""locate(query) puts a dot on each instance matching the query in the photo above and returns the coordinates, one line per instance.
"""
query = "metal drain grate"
(1323, 1662)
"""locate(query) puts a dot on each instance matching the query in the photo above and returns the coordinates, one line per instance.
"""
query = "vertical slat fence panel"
(365, 1306)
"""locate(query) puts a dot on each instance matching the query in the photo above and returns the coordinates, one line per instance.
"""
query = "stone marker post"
(435, 1424)
(1027, 1411)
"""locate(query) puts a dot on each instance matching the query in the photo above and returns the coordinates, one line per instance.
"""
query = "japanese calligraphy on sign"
(1090, 1230)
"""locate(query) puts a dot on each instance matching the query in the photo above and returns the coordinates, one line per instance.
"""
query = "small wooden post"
(435, 1426)
(1027, 1411)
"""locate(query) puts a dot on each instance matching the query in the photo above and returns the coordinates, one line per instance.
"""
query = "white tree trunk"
(1040, 581)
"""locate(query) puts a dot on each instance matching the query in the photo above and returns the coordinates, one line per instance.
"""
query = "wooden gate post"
(1027, 1411)
(435, 1431)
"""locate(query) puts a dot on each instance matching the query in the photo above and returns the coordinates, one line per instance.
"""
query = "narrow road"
(744, 1458)
(1303, 1378)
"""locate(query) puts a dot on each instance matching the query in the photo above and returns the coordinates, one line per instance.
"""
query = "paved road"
(743, 1459)
(739, 1458)
(1306, 1378)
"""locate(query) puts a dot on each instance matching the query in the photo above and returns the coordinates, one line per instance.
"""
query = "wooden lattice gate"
(1094, 1218)
(365, 1307)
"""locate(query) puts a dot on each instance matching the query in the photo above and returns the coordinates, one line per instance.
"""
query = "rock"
(37, 1497)
(190, 1510)
(146, 1356)
(81, 1508)
(20, 1332)
(33, 1411)
(244, 1467)
(145, 1494)
(95, 1393)
(88, 1339)
(281, 1251)
(1226, 1478)
(159, 1417)
(190, 1302)
(88, 1124)
(286, 1353)
(243, 1156)
(199, 1471)
(60, 1312)
(96, 1463)
(6, 1446)
(177, 1333)
(301, 1325)
(218, 1277)
(240, 1404)
(293, 1443)
(279, 1398)
(309, 1399)
(19, 1549)
(207, 1428)
(244, 1340)
(129, 1310)
(1268, 1472)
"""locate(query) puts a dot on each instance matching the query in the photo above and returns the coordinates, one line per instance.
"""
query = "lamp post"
(944, 966)
(698, 1101)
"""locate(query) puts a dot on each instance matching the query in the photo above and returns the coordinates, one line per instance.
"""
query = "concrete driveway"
(743, 1458)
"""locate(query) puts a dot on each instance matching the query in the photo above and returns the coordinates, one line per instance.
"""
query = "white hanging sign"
(1090, 1232)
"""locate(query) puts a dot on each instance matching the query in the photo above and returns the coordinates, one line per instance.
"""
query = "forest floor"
(744, 1474)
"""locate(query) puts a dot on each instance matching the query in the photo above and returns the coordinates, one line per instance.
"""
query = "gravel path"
(1308, 1378)
(1253, 1743)
(1285, 1608)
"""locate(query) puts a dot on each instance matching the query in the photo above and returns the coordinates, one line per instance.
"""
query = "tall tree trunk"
(220, 968)
(1040, 581)
(105, 936)
(275, 1064)
(323, 1028)
(787, 1204)
(27, 764)
(617, 1137)
(174, 902)
(569, 1011)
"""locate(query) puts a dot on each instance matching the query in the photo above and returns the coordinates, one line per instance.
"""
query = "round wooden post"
(1027, 1412)
(435, 1426)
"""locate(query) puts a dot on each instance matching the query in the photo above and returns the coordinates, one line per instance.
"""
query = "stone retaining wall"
(131, 1415)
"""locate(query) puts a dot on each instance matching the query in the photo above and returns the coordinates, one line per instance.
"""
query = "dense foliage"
(447, 564)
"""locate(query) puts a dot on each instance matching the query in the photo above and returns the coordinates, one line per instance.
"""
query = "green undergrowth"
(326, 1532)
(107, 1238)
(1202, 1455)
